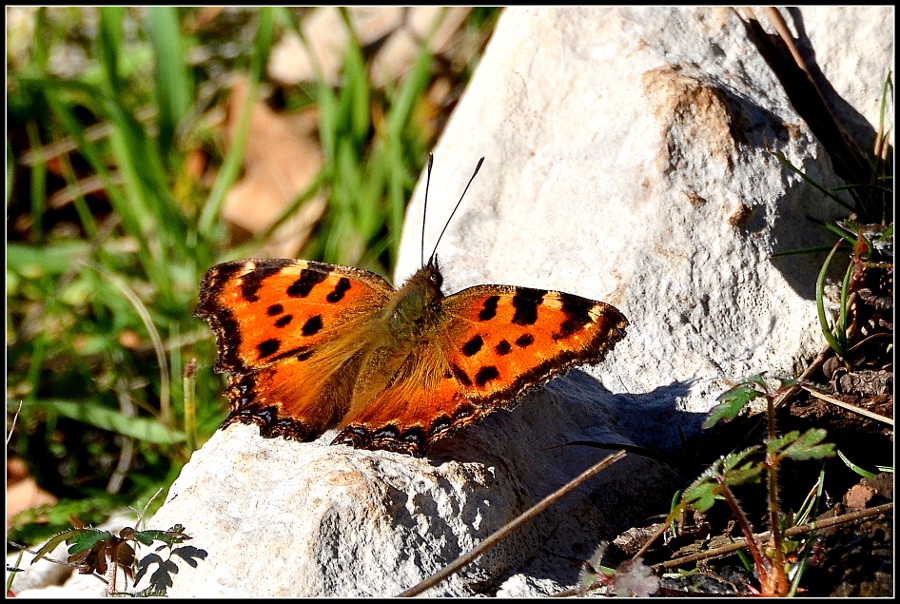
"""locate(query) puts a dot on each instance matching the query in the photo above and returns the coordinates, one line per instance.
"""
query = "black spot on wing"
(503, 348)
(275, 309)
(489, 310)
(578, 314)
(308, 279)
(472, 346)
(269, 347)
(486, 374)
(284, 321)
(252, 281)
(525, 340)
(312, 325)
(338, 292)
(460, 375)
(526, 302)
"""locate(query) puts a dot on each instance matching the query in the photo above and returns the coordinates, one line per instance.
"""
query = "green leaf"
(174, 88)
(701, 497)
(808, 447)
(53, 542)
(172, 536)
(736, 469)
(732, 401)
(33, 262)
(731, 461)
(86, 539)
(147, 430)
(775, 445)
(743, 475)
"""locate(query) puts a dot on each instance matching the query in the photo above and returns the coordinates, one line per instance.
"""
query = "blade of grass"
(165, 414)
(172, 82)
(190, 405)
(143, 429)
(38, 185)
(786, 163)
(820, 304)
(123, 207)
(108, 44)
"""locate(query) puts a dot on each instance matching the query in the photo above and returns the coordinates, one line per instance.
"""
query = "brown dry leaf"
(281, 160)
(22, 492)
(399, 30)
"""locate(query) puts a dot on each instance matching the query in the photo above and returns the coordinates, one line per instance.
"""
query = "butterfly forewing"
(504, 340)
(288, 333)
(263, 311)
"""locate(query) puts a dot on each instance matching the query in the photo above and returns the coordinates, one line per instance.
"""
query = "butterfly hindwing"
(411, 414)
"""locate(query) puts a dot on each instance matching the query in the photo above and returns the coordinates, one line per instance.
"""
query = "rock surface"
(625, 161)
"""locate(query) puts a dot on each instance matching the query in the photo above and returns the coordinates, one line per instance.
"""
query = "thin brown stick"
(849, 407)
(812, 368)
(781, 27)
(791, 532)
(512, 526)
(663, 527)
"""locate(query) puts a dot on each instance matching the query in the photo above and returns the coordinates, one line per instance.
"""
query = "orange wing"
(290, 335)
(494, 342)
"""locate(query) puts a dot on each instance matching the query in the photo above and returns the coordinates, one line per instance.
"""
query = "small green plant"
(869, 243)
(717, 482)
(103, 554)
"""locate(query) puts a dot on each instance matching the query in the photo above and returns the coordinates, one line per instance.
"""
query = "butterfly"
(310, 346)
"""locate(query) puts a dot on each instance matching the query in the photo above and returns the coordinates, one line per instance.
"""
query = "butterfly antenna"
(477, 167)
(425, 206)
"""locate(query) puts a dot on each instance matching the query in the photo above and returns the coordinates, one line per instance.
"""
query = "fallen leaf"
(281, 160)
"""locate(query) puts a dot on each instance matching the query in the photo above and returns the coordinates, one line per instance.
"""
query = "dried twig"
(791, 532)
(848, 406)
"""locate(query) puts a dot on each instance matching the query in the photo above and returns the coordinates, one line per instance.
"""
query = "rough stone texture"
(279, 518)
(626, 162)
(36, 577)
(851, 78)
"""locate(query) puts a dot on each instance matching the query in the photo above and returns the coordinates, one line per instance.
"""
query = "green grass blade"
(143, 429)
(862, 472)
(172, 82)
(786, 163)
(38, 183)
(820, 304)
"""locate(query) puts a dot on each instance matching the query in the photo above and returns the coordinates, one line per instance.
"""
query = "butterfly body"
(310, 346)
